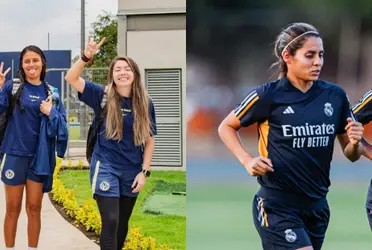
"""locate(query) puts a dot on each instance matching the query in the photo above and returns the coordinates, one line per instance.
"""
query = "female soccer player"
(363, 113)
(27, 107)
(122, 154)
(299, 117)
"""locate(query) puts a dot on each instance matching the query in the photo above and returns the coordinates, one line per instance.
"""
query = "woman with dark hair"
(29, 106)
(299, 118)
(125, 143)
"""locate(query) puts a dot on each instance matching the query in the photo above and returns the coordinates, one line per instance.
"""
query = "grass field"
(74, 132)
(164, 228)
(220, 217)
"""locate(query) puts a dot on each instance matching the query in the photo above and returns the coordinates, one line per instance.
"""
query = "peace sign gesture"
(92, 47)
(3, 75)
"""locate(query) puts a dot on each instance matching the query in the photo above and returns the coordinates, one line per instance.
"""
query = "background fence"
(79, 115)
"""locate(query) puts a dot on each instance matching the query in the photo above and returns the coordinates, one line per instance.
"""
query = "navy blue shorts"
(285, 222)
(369, 205)
(112, 181)
(15, 170)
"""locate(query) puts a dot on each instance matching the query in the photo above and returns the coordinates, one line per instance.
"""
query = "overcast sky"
(25, 22)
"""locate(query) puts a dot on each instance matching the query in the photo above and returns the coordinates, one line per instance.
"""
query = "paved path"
(56, 233)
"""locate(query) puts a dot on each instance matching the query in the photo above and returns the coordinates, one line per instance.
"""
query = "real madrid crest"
(328, 110)
(290, 236)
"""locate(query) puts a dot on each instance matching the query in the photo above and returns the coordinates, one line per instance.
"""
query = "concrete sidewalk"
(56, 233)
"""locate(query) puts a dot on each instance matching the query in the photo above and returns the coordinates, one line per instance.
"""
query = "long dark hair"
(37, 50)
(22, 75)
(291, 35)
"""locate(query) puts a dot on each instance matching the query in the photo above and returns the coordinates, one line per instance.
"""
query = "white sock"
(32, 248)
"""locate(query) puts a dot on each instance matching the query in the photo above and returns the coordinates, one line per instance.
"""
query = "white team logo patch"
(328, 110)
(290, 236)
(104, 186)
(9, 174)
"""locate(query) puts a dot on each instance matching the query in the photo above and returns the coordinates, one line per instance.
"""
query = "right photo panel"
(279, 139)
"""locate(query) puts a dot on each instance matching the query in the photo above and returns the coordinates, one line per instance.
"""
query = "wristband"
(84, 58)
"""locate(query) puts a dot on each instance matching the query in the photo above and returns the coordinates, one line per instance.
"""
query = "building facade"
(153, 33)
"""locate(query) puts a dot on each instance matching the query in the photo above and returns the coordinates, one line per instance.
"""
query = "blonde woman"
(125, 142)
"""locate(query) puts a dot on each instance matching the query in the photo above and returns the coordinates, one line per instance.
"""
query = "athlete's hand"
(46, 106)
(354, 131)
(3, 75)
(92, 47)
(259, 166)
(139, 182)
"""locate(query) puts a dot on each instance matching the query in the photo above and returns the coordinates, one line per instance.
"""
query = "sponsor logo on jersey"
(309, 135)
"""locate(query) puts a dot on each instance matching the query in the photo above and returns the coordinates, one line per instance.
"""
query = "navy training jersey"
(297, 132)
(362, 110)
(124, 153)
(22, 133)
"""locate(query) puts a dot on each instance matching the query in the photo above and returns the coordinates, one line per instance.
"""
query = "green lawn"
(166, 204)
(74, 133)
(153, 217)
(219, 217)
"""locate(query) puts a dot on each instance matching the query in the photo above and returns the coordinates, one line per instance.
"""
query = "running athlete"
(362, 110)
(123, 151)
(299, 117)
(21, 142)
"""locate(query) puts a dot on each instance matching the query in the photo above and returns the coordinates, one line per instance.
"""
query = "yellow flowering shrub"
(139, 242)
(89, 216)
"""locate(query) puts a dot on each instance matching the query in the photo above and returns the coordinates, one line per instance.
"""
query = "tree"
(75, 59)
(105, 26)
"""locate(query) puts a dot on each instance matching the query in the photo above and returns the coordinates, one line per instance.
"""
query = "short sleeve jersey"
(362, 110)
(297, 132)
(125, 153)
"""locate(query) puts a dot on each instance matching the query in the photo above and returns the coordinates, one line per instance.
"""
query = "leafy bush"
(89, 217)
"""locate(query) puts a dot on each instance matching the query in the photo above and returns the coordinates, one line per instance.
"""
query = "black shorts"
(369, 205)
(285, 222)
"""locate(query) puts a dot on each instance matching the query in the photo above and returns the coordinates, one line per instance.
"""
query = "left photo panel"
(92, 125)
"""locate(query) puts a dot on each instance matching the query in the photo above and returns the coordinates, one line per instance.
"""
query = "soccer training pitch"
(221, 218)
(219, 206)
